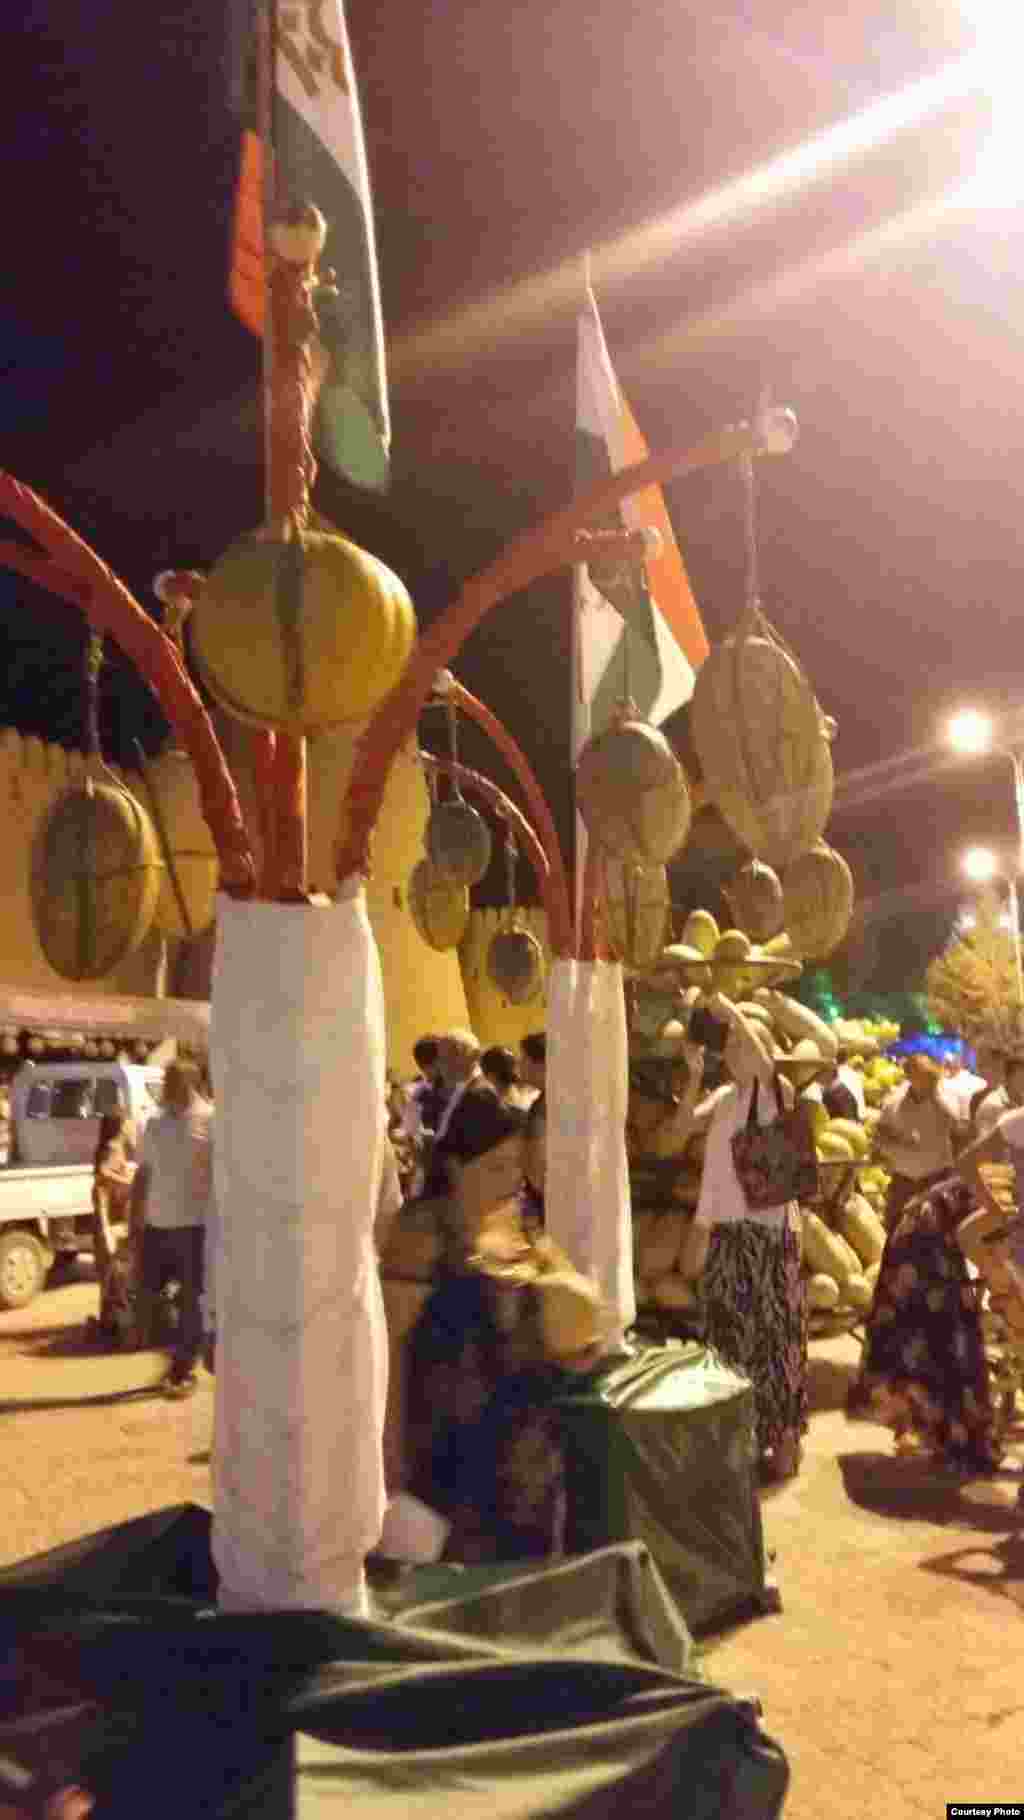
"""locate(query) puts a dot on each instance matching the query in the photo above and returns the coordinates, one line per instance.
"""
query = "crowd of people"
(508, 1316)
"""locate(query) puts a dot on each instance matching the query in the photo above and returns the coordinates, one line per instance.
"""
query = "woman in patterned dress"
(488, 1355)
(923, 1370)
(752, 1290)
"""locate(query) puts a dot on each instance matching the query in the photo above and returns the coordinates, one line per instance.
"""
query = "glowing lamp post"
(981, 866)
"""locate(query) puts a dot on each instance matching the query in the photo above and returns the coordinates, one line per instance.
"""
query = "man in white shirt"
(170, 1201)
(459, 1059)
(960, 1086)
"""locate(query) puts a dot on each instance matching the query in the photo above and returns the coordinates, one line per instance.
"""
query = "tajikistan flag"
(319, 157)
(638, 628)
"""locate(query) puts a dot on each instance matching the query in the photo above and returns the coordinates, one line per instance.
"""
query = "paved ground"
(893, 1676)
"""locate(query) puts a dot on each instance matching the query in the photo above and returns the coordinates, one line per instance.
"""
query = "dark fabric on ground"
(518, 1693)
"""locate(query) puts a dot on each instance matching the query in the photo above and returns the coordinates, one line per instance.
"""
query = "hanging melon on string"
(515, 959)
(96, 866)
(818, 894)
(762, 739)
(632, 792)
(439, 907)
(303, 633)
(754, 896)
(457, 839)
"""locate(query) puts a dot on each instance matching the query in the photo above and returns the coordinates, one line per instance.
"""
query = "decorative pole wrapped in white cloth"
(297, 1050)
(586, 1194)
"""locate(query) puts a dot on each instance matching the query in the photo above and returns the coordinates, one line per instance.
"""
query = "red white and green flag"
(638, 627)
(319, 156)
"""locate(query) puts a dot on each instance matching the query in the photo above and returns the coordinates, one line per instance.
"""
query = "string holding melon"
(96, 866)
(515, 959)
(763, 742)
(457, 839)
(96, 880)
(301, 633)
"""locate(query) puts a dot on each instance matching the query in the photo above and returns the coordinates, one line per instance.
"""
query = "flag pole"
(577, 695)
(289, 326)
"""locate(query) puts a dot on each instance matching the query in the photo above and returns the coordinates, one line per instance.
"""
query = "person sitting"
(508, 1318)
(533, 1060)
(501, 1072)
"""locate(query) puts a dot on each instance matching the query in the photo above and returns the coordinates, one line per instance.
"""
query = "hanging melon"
(763, 742)
(637, 907)
(755, 898)
(515, 964)
(818, 899)
(96, 880)
(439, 908)
(458, 841)
(633, 795)
(171, 780)
(302, 634)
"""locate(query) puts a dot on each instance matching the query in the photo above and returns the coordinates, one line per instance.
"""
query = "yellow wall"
(32, 775)
(424, 990)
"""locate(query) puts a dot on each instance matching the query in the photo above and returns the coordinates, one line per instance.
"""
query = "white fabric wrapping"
(586, 1195)
(298, 1057)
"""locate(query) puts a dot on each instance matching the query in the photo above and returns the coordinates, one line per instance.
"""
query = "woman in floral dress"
(507, 1326)
(923, 1370)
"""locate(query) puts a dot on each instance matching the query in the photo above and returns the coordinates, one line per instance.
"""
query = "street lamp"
(974, 734)
(981, 867)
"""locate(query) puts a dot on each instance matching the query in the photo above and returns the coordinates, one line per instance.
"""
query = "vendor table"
(661, 1449)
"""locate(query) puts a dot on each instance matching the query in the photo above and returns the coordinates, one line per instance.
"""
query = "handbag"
(777, 1162)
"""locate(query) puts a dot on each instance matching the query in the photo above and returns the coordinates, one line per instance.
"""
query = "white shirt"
(721, 1196)
(960, 1089)
(176, 1151)
(915, 1137)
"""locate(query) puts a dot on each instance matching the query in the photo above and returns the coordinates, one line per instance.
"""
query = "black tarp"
(485, 1694)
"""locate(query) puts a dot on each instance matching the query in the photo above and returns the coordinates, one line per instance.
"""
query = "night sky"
(504, 139)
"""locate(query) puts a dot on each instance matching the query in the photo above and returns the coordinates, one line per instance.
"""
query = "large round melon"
(515, 964)
(96, 878)
(817, 894)
(439, 906)
(633, 795)
(301, 635)
(763, 744)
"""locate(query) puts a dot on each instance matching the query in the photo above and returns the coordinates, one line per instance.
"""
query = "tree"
(971, 987)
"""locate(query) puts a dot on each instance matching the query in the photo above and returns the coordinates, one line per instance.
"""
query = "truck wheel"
(23, 1267)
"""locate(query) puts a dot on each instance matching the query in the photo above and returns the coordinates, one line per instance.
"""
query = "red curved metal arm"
(74, 572)
(506, 808)
(560, 906)
(548, 546)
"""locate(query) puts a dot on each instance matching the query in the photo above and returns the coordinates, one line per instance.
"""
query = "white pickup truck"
(46, 1189)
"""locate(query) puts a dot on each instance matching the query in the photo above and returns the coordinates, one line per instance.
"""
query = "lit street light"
(981, 866)
(970, 732)
(974, 734)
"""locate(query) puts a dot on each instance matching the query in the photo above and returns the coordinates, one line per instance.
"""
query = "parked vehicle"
(46, 1191)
